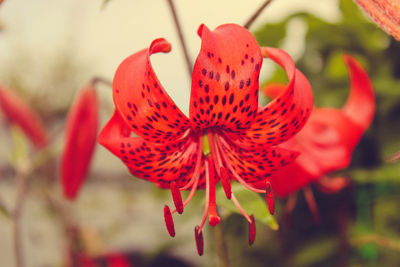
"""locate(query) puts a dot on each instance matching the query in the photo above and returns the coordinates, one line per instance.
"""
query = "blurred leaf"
(315, 252)
(386, 173)
(251, 202)
(19, 156)
(3, 210)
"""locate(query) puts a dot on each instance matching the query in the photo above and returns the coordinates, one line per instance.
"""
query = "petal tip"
(160, 45)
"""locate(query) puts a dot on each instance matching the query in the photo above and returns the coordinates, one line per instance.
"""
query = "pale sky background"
(100, 38)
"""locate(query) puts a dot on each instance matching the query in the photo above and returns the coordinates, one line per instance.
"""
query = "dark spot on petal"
(216, 99)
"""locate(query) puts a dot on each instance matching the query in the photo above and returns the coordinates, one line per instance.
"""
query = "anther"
(225, 182)
(176, 196)
(198, 236)
(252, 230)
(169, 222)
(269, 196)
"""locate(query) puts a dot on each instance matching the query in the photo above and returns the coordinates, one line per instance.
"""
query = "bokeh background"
(49, 49)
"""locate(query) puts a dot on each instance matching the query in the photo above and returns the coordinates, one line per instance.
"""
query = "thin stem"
(98, 79)
(256, 14)
(221, 246)
(21, 179)
(181, 38)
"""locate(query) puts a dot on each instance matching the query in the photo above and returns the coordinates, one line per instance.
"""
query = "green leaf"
(251, 202)
(19, 156)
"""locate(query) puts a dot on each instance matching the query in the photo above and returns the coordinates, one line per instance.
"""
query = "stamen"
(207, 202)
(309, 196)
(226, 183)
(196, 175)
(237, 204)
(176, 196)
(199, 154)
(252, 230)
(198, 236)
(269, 196)
(229, 165)
(169, 222)
(213, 218)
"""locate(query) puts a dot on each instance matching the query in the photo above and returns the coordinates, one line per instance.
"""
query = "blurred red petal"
(80, 140)
(20, 113)
(332, 185)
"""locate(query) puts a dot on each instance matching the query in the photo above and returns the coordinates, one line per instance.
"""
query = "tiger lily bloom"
(80, 140)
(327, 141)
(227, 136)
(17, 111)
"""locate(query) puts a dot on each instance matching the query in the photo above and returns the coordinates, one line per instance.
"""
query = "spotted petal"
(256, 164)
(285, 115)
(225, 79)
(157, 163)
(141, 100)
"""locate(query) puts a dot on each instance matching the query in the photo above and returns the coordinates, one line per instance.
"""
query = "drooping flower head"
(327, 141)
(17, 111)
(80, 140)
(227, 136)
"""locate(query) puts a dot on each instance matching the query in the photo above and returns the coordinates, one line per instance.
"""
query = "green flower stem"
(220, 246)
(22, 179)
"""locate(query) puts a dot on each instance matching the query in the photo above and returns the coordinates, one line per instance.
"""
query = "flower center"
(213, 162)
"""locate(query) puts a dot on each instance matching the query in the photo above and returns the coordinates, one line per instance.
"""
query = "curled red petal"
(157, 163)
(327, 141)
(20, 113)
(169, 222)
(273, 90)
(360, 105)
(80, 140)
(252, 230)
(386, 13)
(141, 100)
(225, 78)
(198, 236)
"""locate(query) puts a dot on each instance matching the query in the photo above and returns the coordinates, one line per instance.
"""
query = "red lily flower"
(385, 13)
(20, 113)
(328, 139)
(80, 140)
(108, 260)
(227, 135)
